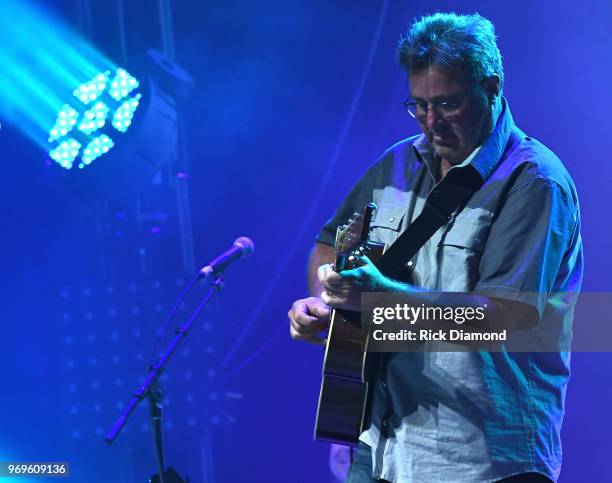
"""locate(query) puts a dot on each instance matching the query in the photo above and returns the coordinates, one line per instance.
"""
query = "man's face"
(453, 133)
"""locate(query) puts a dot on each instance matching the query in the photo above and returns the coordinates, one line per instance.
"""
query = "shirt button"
(391, 218)
(410, 263)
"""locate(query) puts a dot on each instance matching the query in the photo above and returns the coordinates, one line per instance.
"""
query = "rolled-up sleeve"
(528, 241)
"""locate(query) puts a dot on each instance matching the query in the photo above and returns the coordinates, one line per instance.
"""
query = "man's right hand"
(308, 318)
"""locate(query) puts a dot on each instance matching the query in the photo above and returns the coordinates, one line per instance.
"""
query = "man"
(470, 416)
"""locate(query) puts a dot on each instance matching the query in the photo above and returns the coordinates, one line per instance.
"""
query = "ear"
(491, 86)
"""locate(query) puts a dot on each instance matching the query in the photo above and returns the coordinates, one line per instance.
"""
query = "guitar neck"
(340, 263)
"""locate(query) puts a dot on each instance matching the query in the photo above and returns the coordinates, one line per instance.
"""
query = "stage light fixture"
(117, 130)
(98, 99)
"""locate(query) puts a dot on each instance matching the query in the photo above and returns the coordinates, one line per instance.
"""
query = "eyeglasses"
(444, 109)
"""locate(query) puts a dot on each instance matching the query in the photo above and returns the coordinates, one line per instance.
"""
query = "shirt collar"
(485, 157)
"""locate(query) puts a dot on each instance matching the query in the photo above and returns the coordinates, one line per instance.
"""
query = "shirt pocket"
(387, 224)
(466, 236)
(460, 250)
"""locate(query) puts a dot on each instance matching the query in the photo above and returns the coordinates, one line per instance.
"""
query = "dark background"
(294, 100)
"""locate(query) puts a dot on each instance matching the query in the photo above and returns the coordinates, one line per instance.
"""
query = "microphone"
(242, 247)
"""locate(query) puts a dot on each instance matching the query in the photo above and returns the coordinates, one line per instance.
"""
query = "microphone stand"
(156, 395)
(151, 389)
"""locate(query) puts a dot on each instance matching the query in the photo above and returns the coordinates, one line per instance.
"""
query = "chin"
(445, 152)
(450, 154)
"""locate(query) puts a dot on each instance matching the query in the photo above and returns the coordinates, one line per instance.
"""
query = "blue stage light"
(96, 148)
(107, 99)
(66, 119)
(122, 85)
(94, 118)
(125, 112)
(66, 153)
(90, 91)
(95, 107)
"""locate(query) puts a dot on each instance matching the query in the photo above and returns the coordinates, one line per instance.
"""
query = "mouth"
(442, 139)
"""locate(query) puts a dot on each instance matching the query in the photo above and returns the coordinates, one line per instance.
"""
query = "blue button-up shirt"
(476, 416)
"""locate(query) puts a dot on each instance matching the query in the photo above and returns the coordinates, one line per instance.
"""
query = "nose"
(432, 118)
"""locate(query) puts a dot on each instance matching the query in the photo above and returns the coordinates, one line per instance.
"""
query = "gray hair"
(465, 42)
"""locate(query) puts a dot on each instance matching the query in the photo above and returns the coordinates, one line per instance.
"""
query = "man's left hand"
(343, 290)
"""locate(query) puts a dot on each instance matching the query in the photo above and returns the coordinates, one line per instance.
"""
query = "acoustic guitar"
(343, 400)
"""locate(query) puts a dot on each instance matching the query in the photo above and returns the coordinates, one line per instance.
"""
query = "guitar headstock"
(354, 234)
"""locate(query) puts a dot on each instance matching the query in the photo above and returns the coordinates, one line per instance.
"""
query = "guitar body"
(344, 390)
(344, 396)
